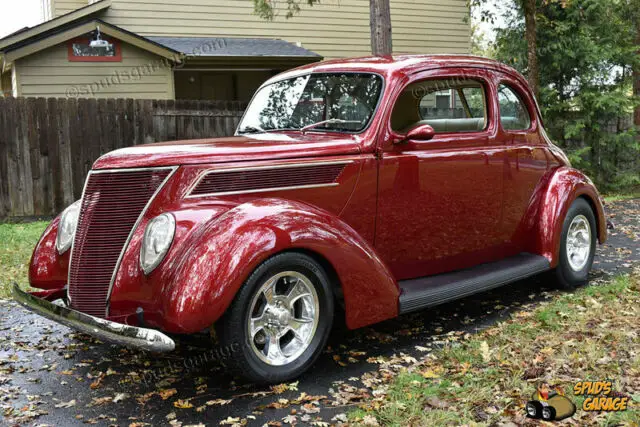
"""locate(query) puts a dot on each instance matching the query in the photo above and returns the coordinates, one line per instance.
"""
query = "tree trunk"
(636, 82)
(532, 44)
(380, 14)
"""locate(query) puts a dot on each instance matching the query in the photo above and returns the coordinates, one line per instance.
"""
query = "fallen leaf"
(183, 404)
(68, 404)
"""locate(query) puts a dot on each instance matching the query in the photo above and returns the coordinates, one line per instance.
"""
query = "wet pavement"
(50, 375)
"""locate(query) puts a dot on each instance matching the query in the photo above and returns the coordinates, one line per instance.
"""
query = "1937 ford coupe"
(367, 187)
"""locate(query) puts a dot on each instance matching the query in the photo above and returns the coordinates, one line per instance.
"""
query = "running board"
(429, 291)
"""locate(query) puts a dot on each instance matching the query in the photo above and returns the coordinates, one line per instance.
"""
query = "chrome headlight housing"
(67, 227)
(158, 236)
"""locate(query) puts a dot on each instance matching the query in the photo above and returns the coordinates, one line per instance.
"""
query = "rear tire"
(577, 245)
(534, 409)
(280, 320)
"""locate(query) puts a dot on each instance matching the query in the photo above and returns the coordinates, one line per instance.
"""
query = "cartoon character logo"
(550, 404)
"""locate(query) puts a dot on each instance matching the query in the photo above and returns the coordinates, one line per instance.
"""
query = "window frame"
(86, 40)
(523, 101)
(434, 75)
(286, 76)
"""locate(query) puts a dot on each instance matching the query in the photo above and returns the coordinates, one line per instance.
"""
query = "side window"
(448, 105)
(513, 112)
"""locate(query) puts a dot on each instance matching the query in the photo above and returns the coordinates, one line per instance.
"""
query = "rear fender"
(215, 261)
(565, 186)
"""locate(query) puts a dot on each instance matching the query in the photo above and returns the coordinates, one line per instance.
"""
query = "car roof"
(403, 64)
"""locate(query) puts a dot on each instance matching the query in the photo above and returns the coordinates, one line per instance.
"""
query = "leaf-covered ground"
(589, 335)
(50, 375)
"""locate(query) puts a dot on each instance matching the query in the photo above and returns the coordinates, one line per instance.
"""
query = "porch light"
(99, 43)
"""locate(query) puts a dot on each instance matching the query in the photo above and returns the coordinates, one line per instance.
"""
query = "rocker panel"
(435, 290)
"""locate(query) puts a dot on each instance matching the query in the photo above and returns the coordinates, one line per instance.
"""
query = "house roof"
(68, 18)
(63, 33)
(212, 47)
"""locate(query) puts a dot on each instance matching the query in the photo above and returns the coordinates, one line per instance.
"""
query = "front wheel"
(280, 320)
(577, 245)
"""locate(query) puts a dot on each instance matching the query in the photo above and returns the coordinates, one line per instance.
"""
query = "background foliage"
(587, 52)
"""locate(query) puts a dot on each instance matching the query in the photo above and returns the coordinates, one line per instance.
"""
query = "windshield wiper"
(328, 122)
(251, 129)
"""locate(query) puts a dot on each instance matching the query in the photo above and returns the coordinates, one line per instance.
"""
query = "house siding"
(62, 7)
(331, 28)
(49, 73)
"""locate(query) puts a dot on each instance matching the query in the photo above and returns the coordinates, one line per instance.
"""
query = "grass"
(16, 245)
(616, 197)
(589, 335)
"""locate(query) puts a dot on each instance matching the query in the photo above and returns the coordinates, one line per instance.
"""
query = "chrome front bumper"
(130, 336)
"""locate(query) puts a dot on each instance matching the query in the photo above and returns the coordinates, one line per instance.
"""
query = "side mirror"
(421, 133)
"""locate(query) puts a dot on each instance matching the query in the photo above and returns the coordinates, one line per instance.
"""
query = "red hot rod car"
(367, 187)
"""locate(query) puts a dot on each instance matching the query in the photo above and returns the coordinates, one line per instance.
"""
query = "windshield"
(343, 101)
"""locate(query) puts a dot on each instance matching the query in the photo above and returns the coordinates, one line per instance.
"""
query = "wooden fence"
(47, 146)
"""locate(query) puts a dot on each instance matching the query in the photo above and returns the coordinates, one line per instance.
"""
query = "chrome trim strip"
(137, 223)
(264, 190)
(159, 168)
(267, 167)
(131, 336)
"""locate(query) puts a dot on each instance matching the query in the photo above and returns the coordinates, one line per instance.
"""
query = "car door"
(527, 160)
(439, 201)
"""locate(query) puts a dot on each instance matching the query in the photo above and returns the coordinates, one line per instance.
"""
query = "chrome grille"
(112, 203)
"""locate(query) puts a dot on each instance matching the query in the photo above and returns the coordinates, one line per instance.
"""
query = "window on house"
(82, 50)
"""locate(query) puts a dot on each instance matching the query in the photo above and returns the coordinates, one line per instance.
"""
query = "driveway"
(50, 375)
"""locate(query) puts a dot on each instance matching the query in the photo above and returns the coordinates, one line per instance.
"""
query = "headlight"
(157, 240)
(67, 227)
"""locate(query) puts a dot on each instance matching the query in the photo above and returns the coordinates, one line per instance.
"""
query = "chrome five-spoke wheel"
(577, 245)
(578, 242)
(284, 318)
(280, 319)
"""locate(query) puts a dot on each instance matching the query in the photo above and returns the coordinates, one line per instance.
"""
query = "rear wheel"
(577, 245)
(280, 320)
(534, 409)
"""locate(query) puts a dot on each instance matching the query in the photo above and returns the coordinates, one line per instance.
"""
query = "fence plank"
(4, 155)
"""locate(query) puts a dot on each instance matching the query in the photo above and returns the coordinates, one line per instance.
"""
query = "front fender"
(565, 185)
(48, 269)
(216, 260)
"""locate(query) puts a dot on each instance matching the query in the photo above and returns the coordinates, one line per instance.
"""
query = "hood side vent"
(268, 178)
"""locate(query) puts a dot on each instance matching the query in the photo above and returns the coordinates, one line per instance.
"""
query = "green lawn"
(16, 245)
(615, 197)
(589, 335)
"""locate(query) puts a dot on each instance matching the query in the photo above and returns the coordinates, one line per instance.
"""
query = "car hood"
(265, 146)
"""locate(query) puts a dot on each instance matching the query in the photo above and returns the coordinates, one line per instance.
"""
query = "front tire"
(280, 320)
(577, 245)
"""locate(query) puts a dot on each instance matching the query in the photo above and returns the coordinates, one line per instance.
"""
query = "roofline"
(196, 58)
(311, 54)
(84, 28)
(53, 23)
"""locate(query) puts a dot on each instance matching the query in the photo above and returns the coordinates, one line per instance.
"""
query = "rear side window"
(447, 105)
(513, 112)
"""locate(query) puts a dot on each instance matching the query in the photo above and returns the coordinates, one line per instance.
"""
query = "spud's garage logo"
(601, 396)
(550, 403)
